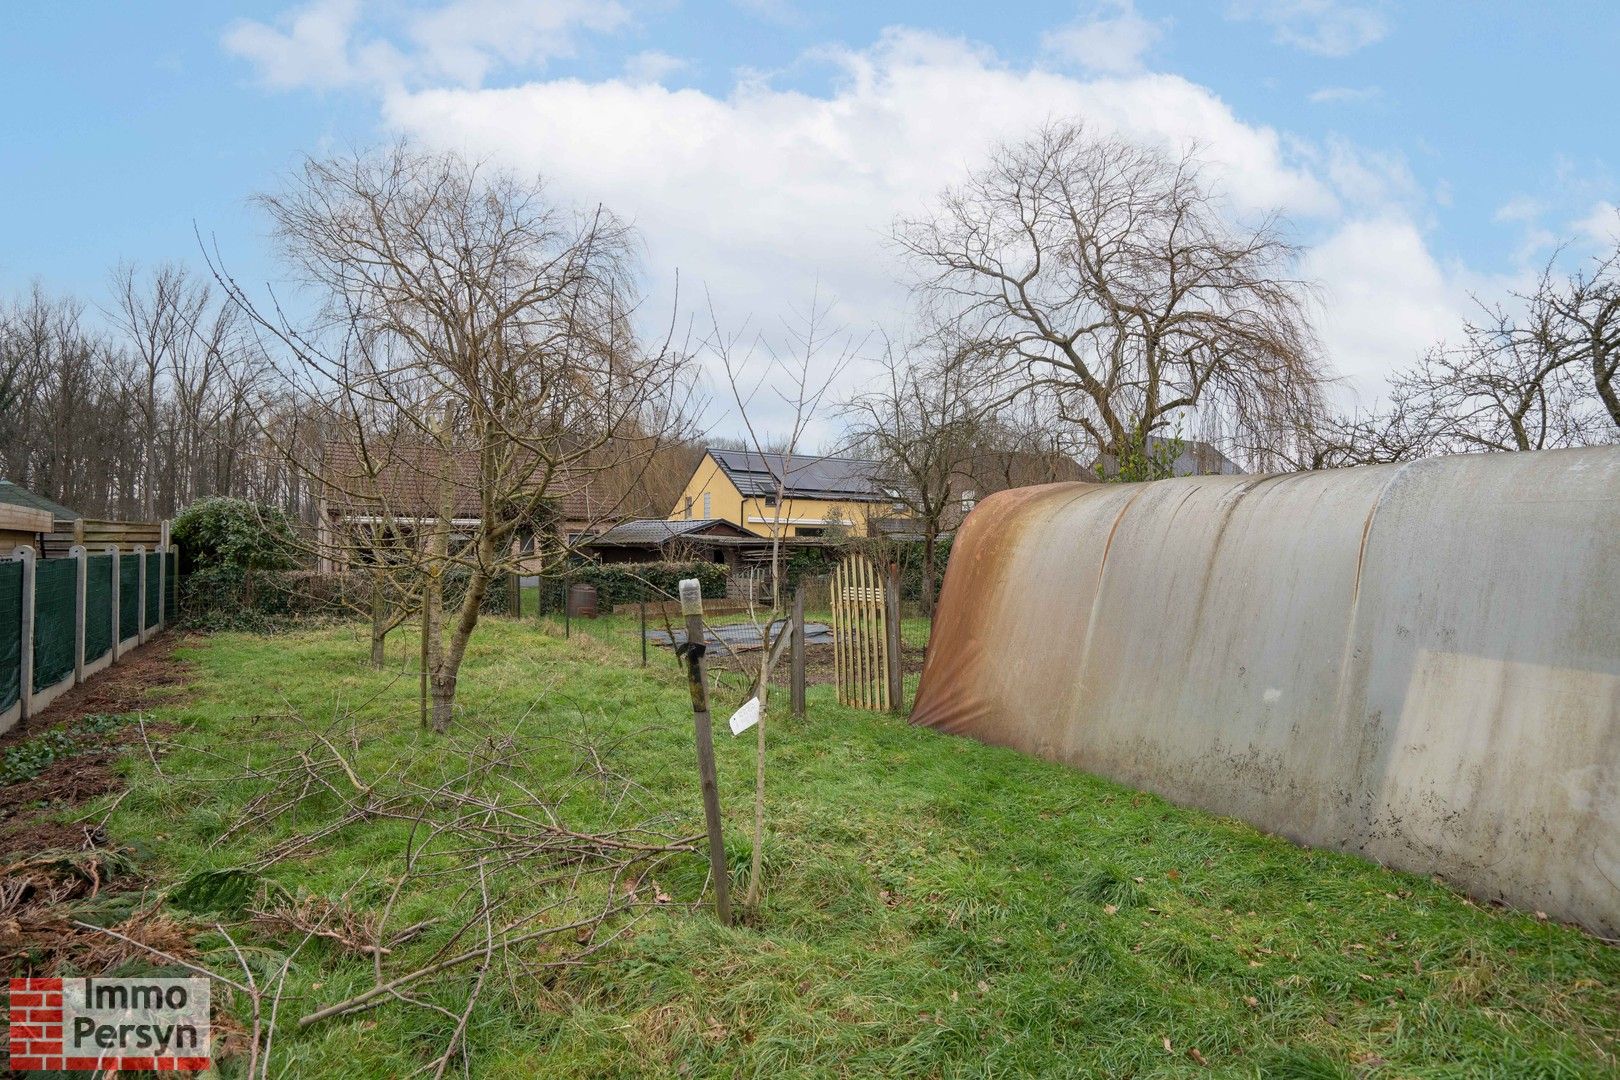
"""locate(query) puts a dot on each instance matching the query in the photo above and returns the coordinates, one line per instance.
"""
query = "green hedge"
(312, 594)
(626, 583)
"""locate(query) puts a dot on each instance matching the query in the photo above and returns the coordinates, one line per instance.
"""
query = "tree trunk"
(930, 546)
(447, 665)
(442, 691)
(379, 620)
(432, 627)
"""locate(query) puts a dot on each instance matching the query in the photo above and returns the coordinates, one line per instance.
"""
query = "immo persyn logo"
(110, 1024)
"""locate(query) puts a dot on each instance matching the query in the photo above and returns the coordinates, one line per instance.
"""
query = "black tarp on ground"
(129, 595)
(98, 613)
(56, 588)
(10, 633)
(154, 567)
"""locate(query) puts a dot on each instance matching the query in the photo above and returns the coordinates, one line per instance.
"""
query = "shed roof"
(804, 476)
(657, 531)
(21, 496)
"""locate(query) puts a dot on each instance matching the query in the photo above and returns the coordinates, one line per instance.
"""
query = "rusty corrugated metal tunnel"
(1419, 663)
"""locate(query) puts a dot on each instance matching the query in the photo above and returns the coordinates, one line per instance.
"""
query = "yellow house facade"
(820, 495)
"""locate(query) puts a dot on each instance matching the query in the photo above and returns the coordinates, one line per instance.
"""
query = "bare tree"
(1108, 272)
(1533, 373)
(924, 419)
(1583, 324)
(799, 378)
(472, 344)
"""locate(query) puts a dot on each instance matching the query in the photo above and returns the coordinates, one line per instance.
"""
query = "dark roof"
(656, 531)
(409, 478)
(1197, 458)
(17, 496)
(806, 476)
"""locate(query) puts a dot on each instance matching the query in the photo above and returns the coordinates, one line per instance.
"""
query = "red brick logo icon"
(36, 1024)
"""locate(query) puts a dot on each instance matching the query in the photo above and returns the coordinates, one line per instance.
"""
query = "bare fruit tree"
(925, 421)
(1536, 372)
(1108, 274)
(473, 371)
(785, 386)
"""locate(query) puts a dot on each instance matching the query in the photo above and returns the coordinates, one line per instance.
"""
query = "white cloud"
(1325, 27)
(1384, 299)
(760, 195)
(465, 39)
(1599, 226)
(331, 43)
(307, 48)
(652, 66)
(1111, 40)
(1343, 95)
(1520, 209)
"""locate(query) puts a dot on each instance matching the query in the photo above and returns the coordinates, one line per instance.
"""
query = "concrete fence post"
(79, 555)
(140, 608)
(163, 574)
(25, 555)
(117, 630)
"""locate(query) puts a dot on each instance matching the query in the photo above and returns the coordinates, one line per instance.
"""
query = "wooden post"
(568, 610)
(117, 607)
(838, 631)
(691, 650)
(643, 607)
(25, 555)
(797, 646)
(891, 598)
(81, 556)
(140, 608)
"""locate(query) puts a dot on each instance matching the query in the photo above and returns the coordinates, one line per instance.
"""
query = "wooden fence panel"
(858, 596)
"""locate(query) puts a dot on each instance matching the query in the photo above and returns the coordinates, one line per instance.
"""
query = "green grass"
(934, 907)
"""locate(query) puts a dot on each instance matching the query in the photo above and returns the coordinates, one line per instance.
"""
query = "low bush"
(626, 583)
(234, 555)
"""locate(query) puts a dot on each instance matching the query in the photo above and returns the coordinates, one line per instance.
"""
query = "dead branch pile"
(511, 890)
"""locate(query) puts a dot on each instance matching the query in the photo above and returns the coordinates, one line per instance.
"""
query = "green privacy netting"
(98, 613)
(154, 581)
(56, 589)
(172, 585)
(129, 595)
(10, 633)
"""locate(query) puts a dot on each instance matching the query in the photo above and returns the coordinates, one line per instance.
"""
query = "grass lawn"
(933, 907)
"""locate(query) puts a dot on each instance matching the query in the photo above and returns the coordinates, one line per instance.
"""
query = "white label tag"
(745, 717)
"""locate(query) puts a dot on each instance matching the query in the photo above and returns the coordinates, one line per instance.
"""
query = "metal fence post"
(117, 608)
(81, 556)
(25, 555)
(140, 609)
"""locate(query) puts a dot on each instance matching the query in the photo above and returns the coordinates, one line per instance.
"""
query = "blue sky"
(1420, 151)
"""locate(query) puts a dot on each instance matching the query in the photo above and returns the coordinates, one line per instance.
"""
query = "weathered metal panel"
(1420, 663)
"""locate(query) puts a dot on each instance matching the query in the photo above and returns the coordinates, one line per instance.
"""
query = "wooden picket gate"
(865, 635)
